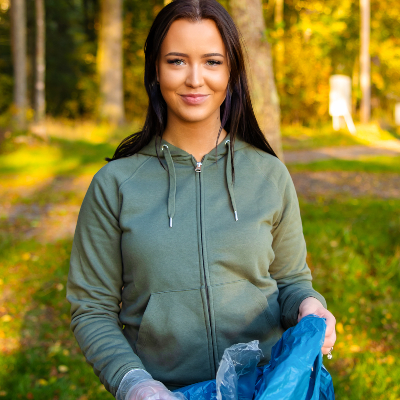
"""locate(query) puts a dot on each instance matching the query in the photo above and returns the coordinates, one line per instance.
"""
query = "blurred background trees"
(109, 61)
(18, 39)
(248, 16)
(310, 40)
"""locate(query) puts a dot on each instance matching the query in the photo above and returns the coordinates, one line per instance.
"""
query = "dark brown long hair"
(237, 115)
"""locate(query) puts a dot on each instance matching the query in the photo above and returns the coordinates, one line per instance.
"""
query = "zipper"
(199, 170)
(198, 167)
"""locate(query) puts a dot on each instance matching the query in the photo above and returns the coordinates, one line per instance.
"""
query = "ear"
(158, 77)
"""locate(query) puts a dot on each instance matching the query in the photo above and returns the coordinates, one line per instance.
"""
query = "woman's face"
(193, 70)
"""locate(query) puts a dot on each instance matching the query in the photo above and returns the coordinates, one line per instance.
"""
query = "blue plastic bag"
(295, 371)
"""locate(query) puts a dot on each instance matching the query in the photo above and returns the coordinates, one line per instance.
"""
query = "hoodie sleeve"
(289, 267)
(95, 284)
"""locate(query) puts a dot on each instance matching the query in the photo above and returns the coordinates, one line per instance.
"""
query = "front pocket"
(172, 341)
(242, 314)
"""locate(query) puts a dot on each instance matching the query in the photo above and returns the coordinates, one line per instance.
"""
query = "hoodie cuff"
(291, 311)
(114, 385)
(130, 379)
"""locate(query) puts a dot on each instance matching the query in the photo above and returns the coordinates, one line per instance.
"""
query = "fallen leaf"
(63, 369)
(59, 287)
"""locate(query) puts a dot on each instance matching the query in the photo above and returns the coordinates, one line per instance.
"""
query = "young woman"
(193, 226)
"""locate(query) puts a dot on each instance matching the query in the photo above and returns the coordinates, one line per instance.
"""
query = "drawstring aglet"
(170, 222)
(236, 217)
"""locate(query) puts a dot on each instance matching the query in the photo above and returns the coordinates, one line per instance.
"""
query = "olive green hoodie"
(199, 263)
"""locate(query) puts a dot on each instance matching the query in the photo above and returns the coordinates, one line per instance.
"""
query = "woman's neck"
(196, 138)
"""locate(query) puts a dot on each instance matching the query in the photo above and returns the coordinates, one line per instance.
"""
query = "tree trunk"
(365, 62)
(280, 45)
(18, 33)
(110, 62)
(248, 16)
(40, 104)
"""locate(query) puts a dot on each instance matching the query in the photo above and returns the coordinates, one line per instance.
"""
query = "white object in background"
(397, 114)
(340, 101)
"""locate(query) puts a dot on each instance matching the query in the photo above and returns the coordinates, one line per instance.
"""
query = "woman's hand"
(311, 305)
(152, 390)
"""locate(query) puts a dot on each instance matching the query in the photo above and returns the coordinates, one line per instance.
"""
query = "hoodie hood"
(173, 154)
(182, 157)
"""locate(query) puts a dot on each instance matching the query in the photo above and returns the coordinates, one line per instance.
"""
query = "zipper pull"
(198, 167)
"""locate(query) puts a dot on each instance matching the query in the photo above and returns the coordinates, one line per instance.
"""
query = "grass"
(353, 250)
(68, 149)
(40, 358)
(372, 164)
(295, 137)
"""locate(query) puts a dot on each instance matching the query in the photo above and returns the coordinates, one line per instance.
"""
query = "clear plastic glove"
(139, 385)
(151, 390)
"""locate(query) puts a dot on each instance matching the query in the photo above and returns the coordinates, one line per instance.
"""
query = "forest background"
(321, 38)
(348, 185)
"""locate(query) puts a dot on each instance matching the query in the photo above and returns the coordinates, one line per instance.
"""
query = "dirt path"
(381, 148)
(355, 184)
(48, 213)
(53, 205)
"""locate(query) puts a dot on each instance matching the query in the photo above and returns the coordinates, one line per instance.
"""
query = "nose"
(194, 77)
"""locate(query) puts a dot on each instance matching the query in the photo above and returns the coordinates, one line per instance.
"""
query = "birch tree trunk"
(40, 67)
(18, 39)
(365, 62)
(110, 62)
(248, 16)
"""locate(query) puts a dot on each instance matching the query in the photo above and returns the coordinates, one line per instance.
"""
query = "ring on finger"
(330, 354)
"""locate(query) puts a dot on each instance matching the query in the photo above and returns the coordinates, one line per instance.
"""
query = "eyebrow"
(203, 56)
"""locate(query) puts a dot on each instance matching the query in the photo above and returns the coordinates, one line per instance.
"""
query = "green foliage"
(6, 81)
(321, 38)
(71, 49)
(6, 89)
(138, 17)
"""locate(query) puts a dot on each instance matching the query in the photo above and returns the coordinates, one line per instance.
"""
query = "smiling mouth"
(194, 98)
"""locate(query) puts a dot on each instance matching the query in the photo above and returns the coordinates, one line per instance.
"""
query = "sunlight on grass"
(58, 157)
(297, 137)
(39, 158)
(375, 164)
(68, 147)
(89, 131)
